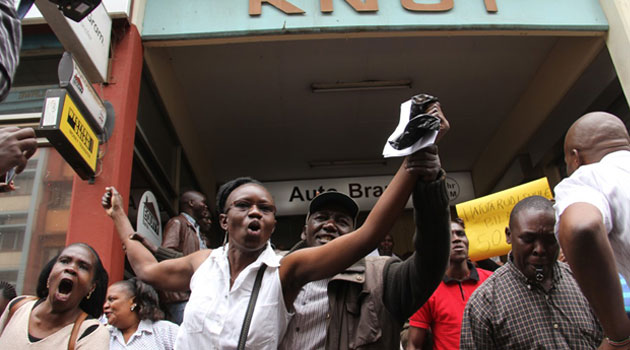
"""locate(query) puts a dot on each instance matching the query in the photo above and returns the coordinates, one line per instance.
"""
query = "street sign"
(66, 128)
(73, 79)
(88, 40)
(148, 223)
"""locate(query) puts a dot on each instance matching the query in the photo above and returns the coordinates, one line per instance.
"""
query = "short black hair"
(145, 297)
(227, 188)
(459, 221)
(187, 196)
(92, 306)
(8, 291)
(533, 202)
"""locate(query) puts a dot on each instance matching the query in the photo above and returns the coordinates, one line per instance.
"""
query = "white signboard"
(115, 8)
(88, 40)
(72, 77)
(293, 197)
(459, 187)
(148, 223)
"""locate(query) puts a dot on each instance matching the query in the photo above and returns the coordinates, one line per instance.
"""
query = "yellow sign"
(76, 129)
(487, 217)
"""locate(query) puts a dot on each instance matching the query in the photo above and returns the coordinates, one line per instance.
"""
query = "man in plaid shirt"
(533, 301)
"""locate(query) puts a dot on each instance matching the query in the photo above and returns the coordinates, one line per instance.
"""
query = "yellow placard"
(76, 129)
(487, 217)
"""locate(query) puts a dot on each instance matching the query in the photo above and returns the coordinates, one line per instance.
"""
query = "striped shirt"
(510, 312)
(10, 41)
(158, 335)
(307, 329)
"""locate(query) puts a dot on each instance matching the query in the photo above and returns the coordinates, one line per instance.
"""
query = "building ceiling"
(254, 113)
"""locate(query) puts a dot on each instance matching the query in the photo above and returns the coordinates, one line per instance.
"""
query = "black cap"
(326, 198)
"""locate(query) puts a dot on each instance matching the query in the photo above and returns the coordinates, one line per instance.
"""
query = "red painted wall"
(88, 221)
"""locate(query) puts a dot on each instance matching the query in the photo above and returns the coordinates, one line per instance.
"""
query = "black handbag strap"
(242, 339)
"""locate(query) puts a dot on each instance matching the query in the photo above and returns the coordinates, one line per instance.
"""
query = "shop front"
(302, 95)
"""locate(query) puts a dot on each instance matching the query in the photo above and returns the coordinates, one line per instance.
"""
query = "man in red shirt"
(443, 312)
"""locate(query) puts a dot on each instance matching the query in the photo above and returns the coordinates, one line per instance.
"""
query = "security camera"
(76, 10)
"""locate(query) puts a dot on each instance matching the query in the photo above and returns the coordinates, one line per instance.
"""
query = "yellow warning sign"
(487, 217)
(76, 129)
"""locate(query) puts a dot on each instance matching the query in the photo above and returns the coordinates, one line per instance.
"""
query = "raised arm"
(174, 274)
(586, 247)
(159, 252)
(409, 284)
(313, 264)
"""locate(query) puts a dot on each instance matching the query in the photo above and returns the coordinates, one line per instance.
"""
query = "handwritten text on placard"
(487, 217)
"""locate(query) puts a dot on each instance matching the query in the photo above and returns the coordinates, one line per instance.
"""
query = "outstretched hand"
(111, 201)
(425, 163)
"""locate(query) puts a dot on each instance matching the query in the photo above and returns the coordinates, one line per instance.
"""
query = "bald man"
(182, 235)
(593, 211)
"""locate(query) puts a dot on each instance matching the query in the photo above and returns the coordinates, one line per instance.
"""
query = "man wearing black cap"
(366, 306)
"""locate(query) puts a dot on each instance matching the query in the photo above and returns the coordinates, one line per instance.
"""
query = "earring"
(89, 294)
(133, 307)
(47, 284)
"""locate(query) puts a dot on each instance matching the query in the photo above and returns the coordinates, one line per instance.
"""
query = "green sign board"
(192, 19)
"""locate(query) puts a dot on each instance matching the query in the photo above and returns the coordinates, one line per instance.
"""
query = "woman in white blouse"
(221, 280)
(135, 318)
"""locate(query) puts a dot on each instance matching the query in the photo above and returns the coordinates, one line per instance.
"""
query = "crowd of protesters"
(341, 286)
(329, 291)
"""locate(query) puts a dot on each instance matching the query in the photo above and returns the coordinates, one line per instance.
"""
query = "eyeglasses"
(247, 206)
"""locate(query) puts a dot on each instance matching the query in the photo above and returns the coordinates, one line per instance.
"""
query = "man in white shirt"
(593, 210)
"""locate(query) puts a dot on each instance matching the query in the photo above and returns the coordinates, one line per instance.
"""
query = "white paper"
(426, 140)
(50, 111)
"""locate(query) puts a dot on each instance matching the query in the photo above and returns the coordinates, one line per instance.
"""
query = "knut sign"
(326, 6)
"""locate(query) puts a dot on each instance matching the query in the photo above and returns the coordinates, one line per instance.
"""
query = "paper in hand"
(427, 122)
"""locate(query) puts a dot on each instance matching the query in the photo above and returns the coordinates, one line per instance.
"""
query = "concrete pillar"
(618, 39)
(88, 221)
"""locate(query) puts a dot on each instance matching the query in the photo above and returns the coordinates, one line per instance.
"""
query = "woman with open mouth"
(70, 294)
(244, 282)
(221, 280)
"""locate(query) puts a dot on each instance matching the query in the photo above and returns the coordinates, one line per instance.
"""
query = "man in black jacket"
(366, 306)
